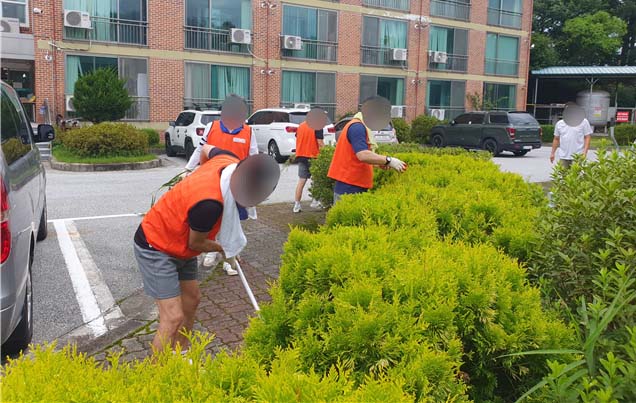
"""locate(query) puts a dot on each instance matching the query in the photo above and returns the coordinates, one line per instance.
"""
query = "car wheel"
(43, 229)
(520, 153)
(170, 152)
(189, 149)
(21, 336)
(437, 140)
(274, 152)
(491, 146)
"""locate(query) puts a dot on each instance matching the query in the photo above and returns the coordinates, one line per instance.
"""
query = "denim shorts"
(303, 168)
(161, 273)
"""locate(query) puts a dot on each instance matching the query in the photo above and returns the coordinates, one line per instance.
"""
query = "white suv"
(183, 135)
(275, 131)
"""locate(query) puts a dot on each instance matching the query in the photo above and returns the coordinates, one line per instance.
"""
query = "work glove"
(397, 165)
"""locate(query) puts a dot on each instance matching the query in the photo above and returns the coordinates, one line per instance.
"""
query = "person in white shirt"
(572, 135)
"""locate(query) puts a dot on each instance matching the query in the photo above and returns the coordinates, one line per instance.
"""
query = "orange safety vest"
(239, 143)
(166, 224)
(345, 165)
(306, 142)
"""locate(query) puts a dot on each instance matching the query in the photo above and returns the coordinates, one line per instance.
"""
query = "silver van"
(22, 184)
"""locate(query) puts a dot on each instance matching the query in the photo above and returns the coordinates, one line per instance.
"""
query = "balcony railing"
(314, 50)
(376, 56)
(455, 10)
(199, 38)
(139, 110)
(112, 30)
(504, 18)
(502, 67)
(209, 103)
(330, 108)
(457, 63)
(450, 113)
(404, 5)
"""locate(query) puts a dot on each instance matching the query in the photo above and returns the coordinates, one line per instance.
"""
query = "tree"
(101, 96)
(544, 52)
(593, 39)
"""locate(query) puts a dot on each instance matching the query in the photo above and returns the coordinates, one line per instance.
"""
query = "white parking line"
(98, 217)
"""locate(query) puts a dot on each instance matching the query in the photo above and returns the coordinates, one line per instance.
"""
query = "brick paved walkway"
(225, 308)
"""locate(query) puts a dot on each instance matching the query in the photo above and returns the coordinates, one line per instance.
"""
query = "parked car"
(517, 132)
(275, 130)
(24, 219)
(184, 134)
(384, 136)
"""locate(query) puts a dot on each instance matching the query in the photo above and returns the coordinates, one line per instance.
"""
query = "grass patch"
(63, 155)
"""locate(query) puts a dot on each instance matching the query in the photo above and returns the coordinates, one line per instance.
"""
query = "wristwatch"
(388, 161)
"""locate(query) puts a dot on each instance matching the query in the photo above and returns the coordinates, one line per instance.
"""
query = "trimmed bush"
(548, 133)
(625, 134)
(402, 130)
(421, 128)
(101, 96)
(106, 140)
(153, 136)
(321, 187)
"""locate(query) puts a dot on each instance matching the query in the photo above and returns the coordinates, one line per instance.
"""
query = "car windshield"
(299, 117)
(387, 129)
(522, 119)
(205, 119)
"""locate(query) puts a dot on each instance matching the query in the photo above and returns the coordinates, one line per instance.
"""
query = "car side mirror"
(171, 123)
(46, 133)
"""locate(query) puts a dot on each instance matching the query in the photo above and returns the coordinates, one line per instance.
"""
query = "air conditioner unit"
(440, 57)
(77, 19)
(10, 25)
(438, 113)
(292, 42)
(399, 54)
(302, 106)
(397, 111)
(69, 104)
(241, 36)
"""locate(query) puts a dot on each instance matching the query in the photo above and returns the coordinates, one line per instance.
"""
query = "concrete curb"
(126, 166)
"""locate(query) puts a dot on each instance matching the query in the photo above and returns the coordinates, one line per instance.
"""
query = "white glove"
(397, 165)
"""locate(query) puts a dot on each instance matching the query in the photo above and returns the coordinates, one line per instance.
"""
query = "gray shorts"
(303, 168)
(161, 273)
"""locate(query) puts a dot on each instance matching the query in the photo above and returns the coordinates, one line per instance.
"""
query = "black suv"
(517, 132)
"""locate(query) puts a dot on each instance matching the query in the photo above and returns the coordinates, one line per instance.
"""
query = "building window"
(404, 5)
(134, 71)
(318, 30)
(500, 96)
(207, 85)
(208, 24)
(16, 9)
(380, 37)
(448, 49)
(505, 13)
(316, 89)
(391, 88)
(117, 21)
(448, 96)
(502, 55)
(453, 9)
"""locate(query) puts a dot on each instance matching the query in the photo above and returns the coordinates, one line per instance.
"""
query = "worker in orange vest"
(309, 141)
(184, 223)
(353, 160)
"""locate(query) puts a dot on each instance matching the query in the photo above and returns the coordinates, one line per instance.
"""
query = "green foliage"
(481, 103)
(548, 133)
(106, 140)
(61, 154)
(153, 136)
(402, 130)
(64, 376)
(593, 39)
(625, 134)
(421, 128)
(544, 52)
(390, 149)
(101, 96)
(321, 187)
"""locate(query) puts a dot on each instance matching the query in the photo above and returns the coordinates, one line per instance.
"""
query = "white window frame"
(27, 14)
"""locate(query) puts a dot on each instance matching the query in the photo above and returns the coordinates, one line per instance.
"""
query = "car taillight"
(291, 129)
(5, 234)
(200, 131)
(511, 132)
(331, 130)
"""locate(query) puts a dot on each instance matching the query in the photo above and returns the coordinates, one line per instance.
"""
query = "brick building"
(423, 55)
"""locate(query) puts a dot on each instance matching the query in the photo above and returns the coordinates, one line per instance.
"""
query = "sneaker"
(297, 207)
(315, 204)
(229, 270)
(211, 259)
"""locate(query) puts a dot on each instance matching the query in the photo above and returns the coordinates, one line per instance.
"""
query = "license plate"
(527, 147)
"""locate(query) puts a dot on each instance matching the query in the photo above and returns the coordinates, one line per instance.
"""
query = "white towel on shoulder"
(230, 236)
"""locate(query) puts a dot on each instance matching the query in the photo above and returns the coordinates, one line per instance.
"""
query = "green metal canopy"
(586, 71)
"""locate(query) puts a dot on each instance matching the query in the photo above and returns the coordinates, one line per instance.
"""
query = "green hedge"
(625, 134)
(402, 130)
(421, 128)
(106, 140)
(153, 136)
(548, 133)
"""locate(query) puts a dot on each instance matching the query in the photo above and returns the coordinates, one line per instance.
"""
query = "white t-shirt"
(572, 139)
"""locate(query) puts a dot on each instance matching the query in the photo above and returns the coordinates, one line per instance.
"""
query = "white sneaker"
(297, 207)
(315, 204)
(229, 270)
(211, 259)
